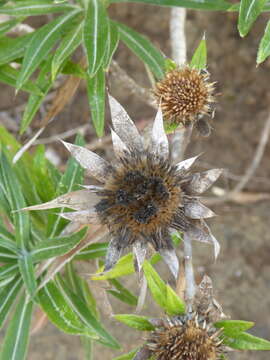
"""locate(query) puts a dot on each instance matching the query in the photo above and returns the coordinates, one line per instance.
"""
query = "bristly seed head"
(182, 338)
(185, 95)
(142, 194)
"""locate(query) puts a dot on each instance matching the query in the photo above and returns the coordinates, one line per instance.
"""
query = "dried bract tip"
(185, 338)
(186, 95)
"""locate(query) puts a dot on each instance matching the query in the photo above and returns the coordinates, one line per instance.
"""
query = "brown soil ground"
(241, 275)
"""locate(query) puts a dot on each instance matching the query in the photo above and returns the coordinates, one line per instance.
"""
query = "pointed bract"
(94, 164)
(204, 235)
(113, 254)
(124, 126)
(186, 164)
(83, 217)
(196, 210)
(170, 258)
(159, 142)
(77, 200)
(119, 147)
(200, 182)
(139, 250)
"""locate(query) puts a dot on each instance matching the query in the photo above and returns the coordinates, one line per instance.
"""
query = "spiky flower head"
(143, 195)
(188, 337)
(186, 95)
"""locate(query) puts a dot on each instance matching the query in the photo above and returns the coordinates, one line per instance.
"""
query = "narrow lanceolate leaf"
(92, 251)
(156, 285)
(128, 356)
(264, 47)
(14, 195)
(113, 40)
(56, 246)
(232, 328)
(34, 7)
(9, 75)
(124, 266)
(122, 293)
(28, 273)
(41, 43)
(8, 25)
(17, 335)
(8, 271)
(175, 306)
(86, 316)
(7, 298)
(69, 181)
(190, 4)
(95, 34)
(144, 49)
(7, 240)
(248, 13)
(12, 49)
(245, 341)
(35, 101)
(59, 312)
(199, 58)
(68, 45)
(96, 98)
(135, 321)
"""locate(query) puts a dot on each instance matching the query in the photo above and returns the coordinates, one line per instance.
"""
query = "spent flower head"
(186, 95)
(143, 196)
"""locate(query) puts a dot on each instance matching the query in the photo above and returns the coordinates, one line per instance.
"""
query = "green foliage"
(199, 59)
(135, 321)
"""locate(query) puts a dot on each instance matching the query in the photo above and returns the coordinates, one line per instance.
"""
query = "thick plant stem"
(189, 273)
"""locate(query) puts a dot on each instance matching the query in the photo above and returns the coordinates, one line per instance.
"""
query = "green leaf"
(248, 13)
(199, 59)
(56, 246)
(95, 34)
(9, 75)
(122, 293)
(174, 305)
(233, 327)
(92, 251)
(86, 316)
(41, 43)
(17, 335)
(123, 267)
(144, 49)
(27, 271)
(264, 47)
(59, 312)
(190, 4)
(35, 101)
(7, 298)
(8, 271)
(31, 8)
(156, 285)
(12, 49)
(10, 24)
(245, 341)
(69, 181)
(113, 40)
(16, 201)
(70, 68)
(7, 240)
(128, 356)
(135, 321)
(68, 45)
(96, 98)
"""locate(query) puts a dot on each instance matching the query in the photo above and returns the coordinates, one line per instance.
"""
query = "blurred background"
(241, 275)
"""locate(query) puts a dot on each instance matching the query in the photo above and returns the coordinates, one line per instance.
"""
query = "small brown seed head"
(185, 95)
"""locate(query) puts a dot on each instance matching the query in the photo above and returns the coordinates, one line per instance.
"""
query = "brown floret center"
(141, 196)
(185, 343)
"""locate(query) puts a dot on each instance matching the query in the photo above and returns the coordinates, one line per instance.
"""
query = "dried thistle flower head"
(188, 337)
(186, 95)
(143, 195)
